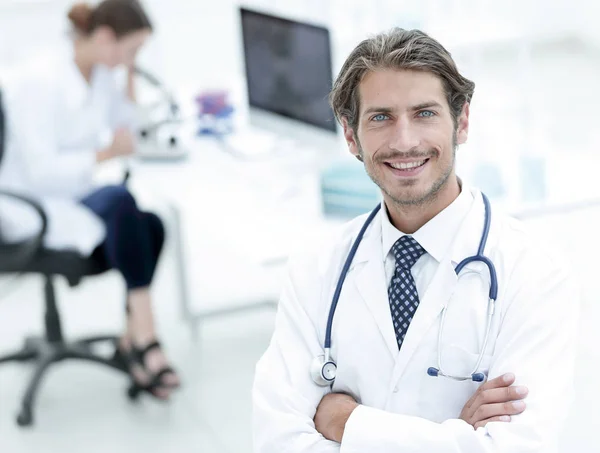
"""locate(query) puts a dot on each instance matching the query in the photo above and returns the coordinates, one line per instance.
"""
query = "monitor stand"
(262, 134)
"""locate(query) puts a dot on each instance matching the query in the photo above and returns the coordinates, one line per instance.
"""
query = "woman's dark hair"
(121, 16)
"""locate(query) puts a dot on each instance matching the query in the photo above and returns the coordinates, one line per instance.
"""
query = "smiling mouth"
(407, 166)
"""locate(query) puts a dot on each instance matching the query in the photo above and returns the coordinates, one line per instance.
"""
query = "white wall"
(194, 37)
(196, 46)
(184, 23)
(27, 25)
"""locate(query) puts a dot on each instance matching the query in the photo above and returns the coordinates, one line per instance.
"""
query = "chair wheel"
(31, 343)
(133, 392)
(25, 418)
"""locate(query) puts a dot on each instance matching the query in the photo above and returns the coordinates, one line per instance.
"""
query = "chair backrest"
(2, 128)
(2, 135)
(14, 256)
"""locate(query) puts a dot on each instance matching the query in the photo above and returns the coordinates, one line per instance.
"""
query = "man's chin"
(410, 198)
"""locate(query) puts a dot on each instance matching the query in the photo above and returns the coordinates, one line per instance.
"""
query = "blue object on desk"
(533, 178)
(347, 190)
(218, 123)
(488, 177)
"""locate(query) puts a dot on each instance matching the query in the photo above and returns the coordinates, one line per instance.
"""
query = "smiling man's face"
(406, 135)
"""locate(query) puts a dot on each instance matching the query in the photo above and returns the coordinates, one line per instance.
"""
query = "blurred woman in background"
(60, 108)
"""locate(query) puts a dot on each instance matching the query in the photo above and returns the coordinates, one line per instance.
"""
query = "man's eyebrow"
(378, 110)
(414, 108)
(426, 105)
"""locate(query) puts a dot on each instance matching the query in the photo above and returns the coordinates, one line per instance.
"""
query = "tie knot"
(407, 251)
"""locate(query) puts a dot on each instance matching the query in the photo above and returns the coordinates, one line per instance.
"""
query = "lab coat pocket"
(458, 361)
(445, 398)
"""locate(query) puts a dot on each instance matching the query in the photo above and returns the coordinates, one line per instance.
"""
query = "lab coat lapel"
(438, 293)
(371, 284)
(443, 285)
(471, 231)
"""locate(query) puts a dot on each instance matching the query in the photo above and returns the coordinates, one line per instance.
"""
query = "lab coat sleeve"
(537, 342)
(34, 117)
(123, 109)
(285, 398)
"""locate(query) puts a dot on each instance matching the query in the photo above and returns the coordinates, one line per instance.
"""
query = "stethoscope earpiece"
(433, 372)
(478, 377)
(475, 377)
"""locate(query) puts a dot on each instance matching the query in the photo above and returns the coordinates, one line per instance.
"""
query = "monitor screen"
(288, 68)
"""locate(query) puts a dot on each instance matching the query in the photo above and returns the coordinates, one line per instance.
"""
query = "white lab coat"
(56, 122)
(403, 410)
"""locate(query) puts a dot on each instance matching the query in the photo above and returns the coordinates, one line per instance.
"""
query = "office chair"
(30, 257)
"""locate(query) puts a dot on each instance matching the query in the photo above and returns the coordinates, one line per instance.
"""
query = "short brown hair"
(397, 49)
(121, 16)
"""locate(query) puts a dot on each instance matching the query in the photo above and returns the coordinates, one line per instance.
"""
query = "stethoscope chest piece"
(323, 371)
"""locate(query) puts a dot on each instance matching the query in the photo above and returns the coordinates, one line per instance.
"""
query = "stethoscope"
(324, 369)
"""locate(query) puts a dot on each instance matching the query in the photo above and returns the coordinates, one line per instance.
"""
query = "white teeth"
(408, 165)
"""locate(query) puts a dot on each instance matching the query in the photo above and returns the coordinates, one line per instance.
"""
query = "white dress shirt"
(436, 245)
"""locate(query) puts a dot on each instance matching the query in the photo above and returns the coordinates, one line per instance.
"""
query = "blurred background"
(533, 148)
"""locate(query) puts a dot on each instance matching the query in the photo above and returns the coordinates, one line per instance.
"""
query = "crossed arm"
(292, 414)
(495, 401)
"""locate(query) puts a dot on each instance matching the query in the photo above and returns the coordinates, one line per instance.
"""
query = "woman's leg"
(157, 236)
(139, 299)
(133, 245)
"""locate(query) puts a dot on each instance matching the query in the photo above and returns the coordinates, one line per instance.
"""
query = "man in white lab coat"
(404, 108)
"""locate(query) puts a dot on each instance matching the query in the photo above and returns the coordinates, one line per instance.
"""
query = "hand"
(122, 144)
(496, 400)
(332, 414)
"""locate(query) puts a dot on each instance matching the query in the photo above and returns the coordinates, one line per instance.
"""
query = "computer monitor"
(288, 70)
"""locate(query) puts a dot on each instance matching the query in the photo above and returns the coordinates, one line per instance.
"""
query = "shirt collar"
(437, 235)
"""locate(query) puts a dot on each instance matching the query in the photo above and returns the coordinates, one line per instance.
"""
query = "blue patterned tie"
(402, 292)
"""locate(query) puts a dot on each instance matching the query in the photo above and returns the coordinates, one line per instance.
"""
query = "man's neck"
(409, 218)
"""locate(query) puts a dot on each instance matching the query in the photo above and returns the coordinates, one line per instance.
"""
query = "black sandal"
(121, 359)
(136, 357)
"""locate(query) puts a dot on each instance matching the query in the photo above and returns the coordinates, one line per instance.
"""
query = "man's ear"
(462, 131)
(350, 136)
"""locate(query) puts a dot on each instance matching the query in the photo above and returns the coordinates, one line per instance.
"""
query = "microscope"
(159, 124)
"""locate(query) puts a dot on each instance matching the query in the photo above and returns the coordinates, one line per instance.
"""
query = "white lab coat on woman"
(56, 122)
(403, 410)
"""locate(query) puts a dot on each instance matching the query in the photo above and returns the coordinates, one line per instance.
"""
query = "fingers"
(502, 395)
(123, 134)
(495, 398)
(496, 410)
(502, 418)
(502, 381)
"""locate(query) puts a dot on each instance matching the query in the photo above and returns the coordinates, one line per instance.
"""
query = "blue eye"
(380, 117)
(426, 114)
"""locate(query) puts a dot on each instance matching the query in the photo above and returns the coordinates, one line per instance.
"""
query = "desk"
(235, 221)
